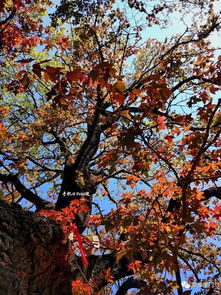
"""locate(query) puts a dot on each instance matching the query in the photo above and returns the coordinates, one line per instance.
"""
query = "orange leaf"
(160, 120)
(3, 131)
(46, 77)
(20, 74)
(53, 73)
(135, 266)
(119, 97)
(176, 130)
(120, 85)
(187, 128)
(169, 138)
(137, 91)
(112, 73)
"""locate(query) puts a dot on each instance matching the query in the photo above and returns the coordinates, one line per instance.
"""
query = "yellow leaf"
(126, 114)
(151, 258)
(167, 228)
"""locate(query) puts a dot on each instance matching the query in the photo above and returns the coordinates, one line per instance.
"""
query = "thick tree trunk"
(32, 254)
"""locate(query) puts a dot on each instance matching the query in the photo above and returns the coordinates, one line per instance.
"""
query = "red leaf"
(160, 120)
(73, 75)
(53, 73)
(53, 70)
(119, 97)
(169, 138)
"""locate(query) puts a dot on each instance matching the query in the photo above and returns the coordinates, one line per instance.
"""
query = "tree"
(110, 149)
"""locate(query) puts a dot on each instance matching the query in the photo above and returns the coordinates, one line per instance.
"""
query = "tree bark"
(33, 257)
(32, 254)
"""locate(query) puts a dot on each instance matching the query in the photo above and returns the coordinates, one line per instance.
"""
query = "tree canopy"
(116, 137)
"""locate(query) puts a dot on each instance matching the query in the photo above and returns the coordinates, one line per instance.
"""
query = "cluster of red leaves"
(67, 217)
(81, 288)
(21, 30)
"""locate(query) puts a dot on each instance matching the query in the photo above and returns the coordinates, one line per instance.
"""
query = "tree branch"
(131, 283)
(11, 15)
(212, 192)
(24, 192)
(194, 77)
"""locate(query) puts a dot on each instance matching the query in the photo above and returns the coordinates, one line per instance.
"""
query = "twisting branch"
(109, 195)
(160, 156)
(190, 267)
(44, 168)
(24, 192)
(204, 258)
(64, 149)
(194, 77)
(203, 145)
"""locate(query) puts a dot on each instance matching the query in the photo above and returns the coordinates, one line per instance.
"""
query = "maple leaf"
(161, 121)
(135, 266)
(63, 42)
(74, 75)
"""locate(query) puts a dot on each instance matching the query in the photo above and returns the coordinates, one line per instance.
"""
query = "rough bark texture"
(32, 254)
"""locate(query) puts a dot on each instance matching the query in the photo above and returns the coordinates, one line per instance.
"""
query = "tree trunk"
(32, 254)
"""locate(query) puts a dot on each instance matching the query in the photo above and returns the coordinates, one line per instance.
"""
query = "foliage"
(117, 137)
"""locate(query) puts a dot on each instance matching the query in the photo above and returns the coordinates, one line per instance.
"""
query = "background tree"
(115, 139)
